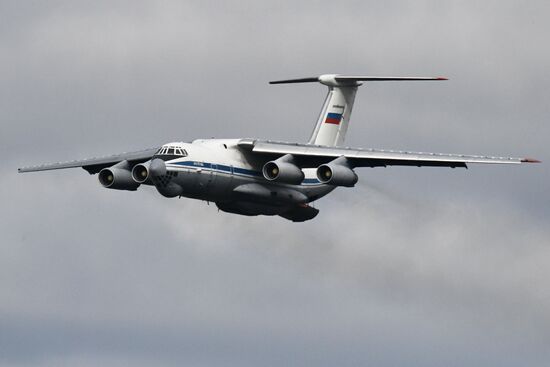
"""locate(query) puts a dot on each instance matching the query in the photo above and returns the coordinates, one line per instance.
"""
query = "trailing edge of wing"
(313, 155)
(94, 165)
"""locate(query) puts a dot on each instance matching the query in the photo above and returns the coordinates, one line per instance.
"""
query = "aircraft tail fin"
(333, 121)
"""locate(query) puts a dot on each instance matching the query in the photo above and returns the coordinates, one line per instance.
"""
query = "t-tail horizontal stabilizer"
(327, 78)
(333, 120)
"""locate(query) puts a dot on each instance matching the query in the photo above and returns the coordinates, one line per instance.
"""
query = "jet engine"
(337, 173)
(118, 177)
(284, 170)
(140, 172)
(144, 171)
(155, 172)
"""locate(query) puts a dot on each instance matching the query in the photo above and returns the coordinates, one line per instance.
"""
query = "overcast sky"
(413, 267)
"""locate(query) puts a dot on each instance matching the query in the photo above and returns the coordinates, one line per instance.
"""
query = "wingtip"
(442, 78)
(530, 160)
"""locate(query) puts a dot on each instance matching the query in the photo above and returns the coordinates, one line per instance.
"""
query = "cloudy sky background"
(414, 267)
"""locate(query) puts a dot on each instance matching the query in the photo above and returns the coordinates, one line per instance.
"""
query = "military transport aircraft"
(259, 177)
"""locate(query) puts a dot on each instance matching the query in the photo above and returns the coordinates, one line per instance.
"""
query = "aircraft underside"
(239, 191)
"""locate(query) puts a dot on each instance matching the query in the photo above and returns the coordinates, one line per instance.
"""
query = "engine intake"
(144, 171)
(284, 170)
(337, 173)
(118, 177)
(140, 172)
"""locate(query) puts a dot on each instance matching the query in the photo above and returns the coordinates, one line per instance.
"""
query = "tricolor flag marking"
(333, 118)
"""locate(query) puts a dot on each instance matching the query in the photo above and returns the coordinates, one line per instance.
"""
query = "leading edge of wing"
(375, 157)
(93, 165)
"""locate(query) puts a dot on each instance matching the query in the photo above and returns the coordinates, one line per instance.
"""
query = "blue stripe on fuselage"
(227, 169)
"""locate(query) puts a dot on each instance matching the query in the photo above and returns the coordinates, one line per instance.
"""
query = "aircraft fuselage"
(216, 170)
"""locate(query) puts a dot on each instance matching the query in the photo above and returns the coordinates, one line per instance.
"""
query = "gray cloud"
(415, 266)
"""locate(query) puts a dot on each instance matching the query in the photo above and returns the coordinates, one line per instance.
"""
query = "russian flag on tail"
(333, 118)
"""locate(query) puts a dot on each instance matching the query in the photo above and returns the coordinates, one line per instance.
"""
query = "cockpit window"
(172, 151)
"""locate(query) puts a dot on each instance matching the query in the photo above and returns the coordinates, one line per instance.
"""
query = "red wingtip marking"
(530, 160)
(441, 78)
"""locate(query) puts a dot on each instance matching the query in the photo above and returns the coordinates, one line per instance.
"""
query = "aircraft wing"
(308, 155)
(94, 165)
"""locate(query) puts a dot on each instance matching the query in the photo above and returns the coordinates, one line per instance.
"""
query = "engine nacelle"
(283, 170)
(154, 172)
(140, 172)
(337, 173)
(144, 171)
(118, 177)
